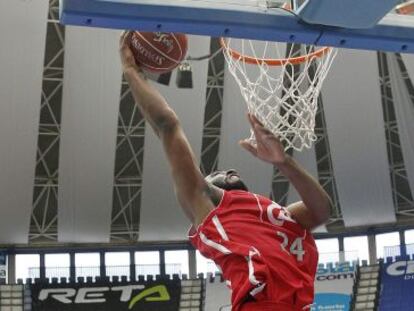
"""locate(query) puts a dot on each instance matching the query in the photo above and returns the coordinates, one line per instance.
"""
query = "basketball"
(157, 51)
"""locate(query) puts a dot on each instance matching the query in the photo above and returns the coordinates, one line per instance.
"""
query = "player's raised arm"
(315, 207)
(191, 189)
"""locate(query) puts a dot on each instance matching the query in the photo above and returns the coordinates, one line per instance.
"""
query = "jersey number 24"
(296, 247)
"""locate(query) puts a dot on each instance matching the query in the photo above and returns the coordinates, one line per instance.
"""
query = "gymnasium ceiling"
(79, 165)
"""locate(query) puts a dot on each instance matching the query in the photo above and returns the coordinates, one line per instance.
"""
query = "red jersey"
(261, 251)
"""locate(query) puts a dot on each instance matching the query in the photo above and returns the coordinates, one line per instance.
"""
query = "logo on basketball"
(165, 39)
(154, 57)
(158, 51)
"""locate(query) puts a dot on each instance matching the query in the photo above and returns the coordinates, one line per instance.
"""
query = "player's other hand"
(267, 147)
(127, 57)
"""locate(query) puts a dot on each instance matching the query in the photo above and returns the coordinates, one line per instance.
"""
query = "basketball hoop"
(280, 83)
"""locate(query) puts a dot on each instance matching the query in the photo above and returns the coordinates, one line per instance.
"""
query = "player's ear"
(215, 193)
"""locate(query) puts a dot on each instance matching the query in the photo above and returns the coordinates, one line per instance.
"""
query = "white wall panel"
(161, 217)
(355, 126)
(22, 47)
(90, 105)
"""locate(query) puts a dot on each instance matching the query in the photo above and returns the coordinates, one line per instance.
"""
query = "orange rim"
(274, 61)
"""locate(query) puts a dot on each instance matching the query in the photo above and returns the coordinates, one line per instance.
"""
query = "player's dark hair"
(222, 184)
(236, 186)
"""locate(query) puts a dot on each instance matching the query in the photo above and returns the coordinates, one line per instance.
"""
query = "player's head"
(227, 180)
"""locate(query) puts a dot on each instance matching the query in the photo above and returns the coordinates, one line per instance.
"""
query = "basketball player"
(266, 252)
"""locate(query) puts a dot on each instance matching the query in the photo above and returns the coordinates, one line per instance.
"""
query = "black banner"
(148, 296)
(3, 266)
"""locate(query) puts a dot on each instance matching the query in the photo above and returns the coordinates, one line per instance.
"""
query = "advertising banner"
(396, 272)
(3, 266)
(149, 296)
(397, 286)
(333, 287)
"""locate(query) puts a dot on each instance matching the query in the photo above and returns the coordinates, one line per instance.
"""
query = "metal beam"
(43, 225)
(394, 33)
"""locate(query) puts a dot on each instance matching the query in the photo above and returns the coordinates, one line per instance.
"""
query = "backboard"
(363, 24)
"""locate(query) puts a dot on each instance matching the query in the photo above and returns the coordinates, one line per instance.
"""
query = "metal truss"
(128, 170)
(280, 186)
(409, 208)
(325, 168)
(43, 225)
(129, 151)
(213, 111)
(402, 196)
(324, 165)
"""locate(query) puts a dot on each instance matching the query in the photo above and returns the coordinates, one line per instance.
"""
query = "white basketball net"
(283, 97)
